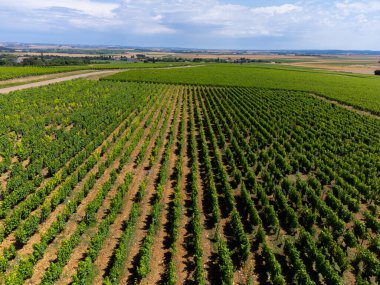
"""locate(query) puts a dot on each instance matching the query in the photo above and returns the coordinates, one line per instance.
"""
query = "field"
(106, 182)
(361, 91)
(7, 72)
(17, 72)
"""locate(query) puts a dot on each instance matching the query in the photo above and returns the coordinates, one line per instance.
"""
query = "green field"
(361, 91)
(138, 65)
(17, 72)
(146, 183)
(24, 71)
(216, 174)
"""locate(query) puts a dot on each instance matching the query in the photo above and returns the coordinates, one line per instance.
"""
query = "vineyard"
(17, 72)
(7, 72)
(144, 183)
(361, 91)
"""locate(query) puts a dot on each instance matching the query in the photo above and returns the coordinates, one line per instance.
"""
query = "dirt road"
(61, 79)
(89, 74)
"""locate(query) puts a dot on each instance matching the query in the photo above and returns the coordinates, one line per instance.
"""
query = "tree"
(241, 241)
(350, 239)
(360, 230)
(226, 269)
(377, 72)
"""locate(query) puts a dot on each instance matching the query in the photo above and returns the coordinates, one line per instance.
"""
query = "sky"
(219, 24)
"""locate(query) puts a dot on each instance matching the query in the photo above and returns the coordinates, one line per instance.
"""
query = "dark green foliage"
(240, 240)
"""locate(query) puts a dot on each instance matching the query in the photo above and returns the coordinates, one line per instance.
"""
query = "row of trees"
(117, 261)
(195, 222)
(83, 273)
(175, 211)
(143, 265)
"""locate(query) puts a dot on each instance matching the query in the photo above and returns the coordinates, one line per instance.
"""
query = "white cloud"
(157, 17)
(216, 17)
(305, 23)
(273, 10)
(59, 15)
(359, 7)
(91, 8)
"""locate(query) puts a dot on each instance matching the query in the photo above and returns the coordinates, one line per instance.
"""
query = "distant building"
(20, 59)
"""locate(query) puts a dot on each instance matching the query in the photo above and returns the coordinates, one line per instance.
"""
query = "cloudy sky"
(240, 24)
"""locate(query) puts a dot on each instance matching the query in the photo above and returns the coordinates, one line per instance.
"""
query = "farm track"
(43, 80)
(345, 106)
(71, 225)
(57, 80)
(130, 167)
(146, 205)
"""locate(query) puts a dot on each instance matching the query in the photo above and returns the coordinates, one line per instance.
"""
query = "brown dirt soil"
(26, 162)
(44, 171)
(52, 217)
(116, 229)
(159, 249)
(29, 79)
(69, 127)
(207, 234)
(71, 225)
(182, 258)
(80, 250)
(362, 69)
(44, 263)
(4, 178)
(293, 177)
(145, 212)
(56, 80)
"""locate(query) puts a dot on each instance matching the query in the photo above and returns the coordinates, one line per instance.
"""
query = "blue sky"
(237, 24)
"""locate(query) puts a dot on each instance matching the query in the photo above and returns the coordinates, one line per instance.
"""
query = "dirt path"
(160, 248)
(56, 80)
(346, 106)
(34, 78)
(42, 80)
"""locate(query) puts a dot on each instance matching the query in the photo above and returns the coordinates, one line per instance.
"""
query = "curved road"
(95, 74)
(61, 79)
